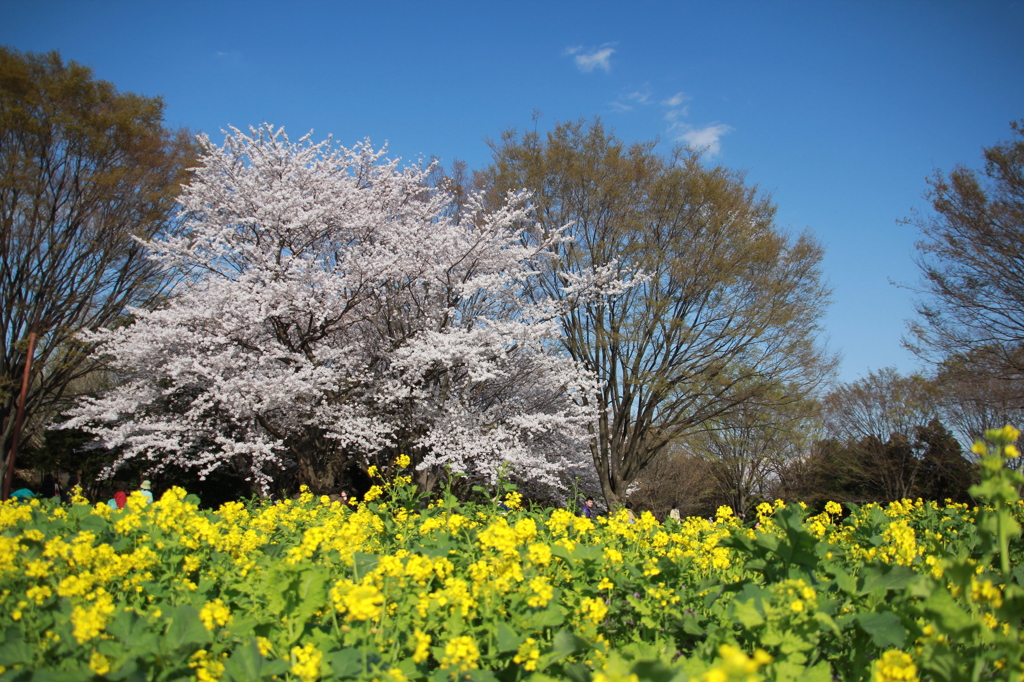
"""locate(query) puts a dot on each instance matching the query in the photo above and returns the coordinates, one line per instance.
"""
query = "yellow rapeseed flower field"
(392, 590)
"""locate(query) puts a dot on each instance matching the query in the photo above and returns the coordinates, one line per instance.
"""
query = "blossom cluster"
(334, 306)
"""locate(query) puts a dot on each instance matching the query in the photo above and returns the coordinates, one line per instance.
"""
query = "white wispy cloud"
(706, 138)
(233, 58)
(676, 106)
(675, 100)
(596, 59)
(626, 101)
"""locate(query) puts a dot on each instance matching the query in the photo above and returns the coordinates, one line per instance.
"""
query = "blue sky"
(839, 109)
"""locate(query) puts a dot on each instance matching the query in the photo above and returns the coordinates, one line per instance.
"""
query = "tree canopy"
(338, 315)
(85, 170)
(971, 258)
(720, 308)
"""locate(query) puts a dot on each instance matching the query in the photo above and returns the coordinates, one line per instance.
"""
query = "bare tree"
(84, 171)
(725, 307)
(878, 416)
(676, 478)
(971, 258)
(971, 403)
(749, 448)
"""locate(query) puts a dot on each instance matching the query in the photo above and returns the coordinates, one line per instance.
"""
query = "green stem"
(1004, 540)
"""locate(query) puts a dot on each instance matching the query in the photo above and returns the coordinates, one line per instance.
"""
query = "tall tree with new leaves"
(723, 308)
(85, 170)
(338, 314)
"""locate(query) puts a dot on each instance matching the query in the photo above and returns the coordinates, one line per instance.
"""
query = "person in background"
(119, 499)
(588, 510)
(630, 516)
(147, 491)
(674, 514)
(67, 491)
(50, 487)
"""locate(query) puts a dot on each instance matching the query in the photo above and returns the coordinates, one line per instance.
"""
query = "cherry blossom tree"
(333, 311)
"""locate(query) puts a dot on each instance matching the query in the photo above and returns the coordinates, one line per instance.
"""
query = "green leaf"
(16, 652)
(561, 552)
(311, 591)
(844, 581)
(585, 553)
(364, 563)
(134, 670)
(746, 612)
(878, 581)
(690, 625)
(822, 672)
(566, 643)
(507, 638)
(1018, 574)
(346, 662)
(95, 524)
(951, 619)
(788, 671)
(185, 628)
(884, 628)
(576, 672)
(827, 621)
(245, 663)
(653, 671)
(58, 676)
(123, 627)
(551, 617)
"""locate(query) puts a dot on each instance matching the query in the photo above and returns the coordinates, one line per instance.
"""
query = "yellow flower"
(99, 663)
(542, 592)
(403, 461)
(499, 536)
(38, 593)
(593, 609)
(527, 654)
(397, 675)
(514, 500)
(986, 592)
(1007, 434)
(89, 621)
(215, 613)
(894, 666)
(265, 647)
(735, 663)
(461, 653)
(358, 602)
(306, 662)
(526, 530)
(539, 554)
(422, 651)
